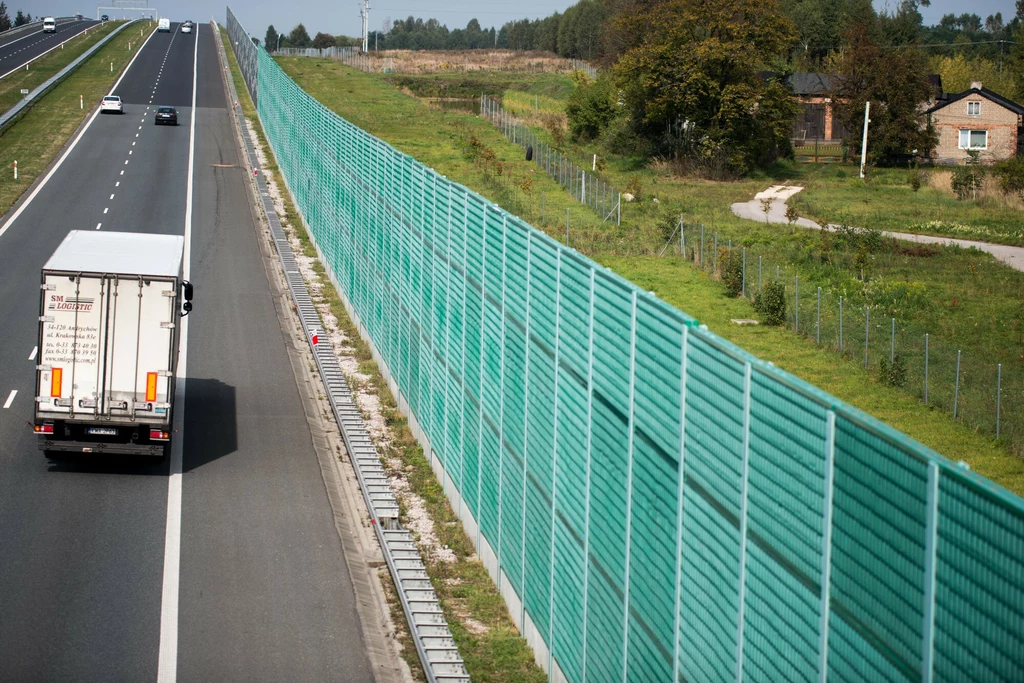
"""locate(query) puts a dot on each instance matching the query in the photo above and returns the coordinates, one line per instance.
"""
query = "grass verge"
(974, 302)
(49, 65)
(488, 641)
(36, 138)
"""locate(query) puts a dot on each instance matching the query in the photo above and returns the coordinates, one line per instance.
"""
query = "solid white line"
(10, 399)
(167, 662)
(35, 350)
(40, 186)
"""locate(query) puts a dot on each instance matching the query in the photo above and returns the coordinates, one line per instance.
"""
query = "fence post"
(826, 547)
(867, 333)
(702, 246)
(679, 505)
(567, 227)
(796, 301)
(892, 344)
(926, 368)
(629, 491)
(743, 277)
(682, 237)
(840, 324)
(714, 259)
(956, 389)
(817, 332)
(931, 540)
(999, 394)
(542, 194)
(744, 498)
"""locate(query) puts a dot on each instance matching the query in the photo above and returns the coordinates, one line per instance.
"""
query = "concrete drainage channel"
(434, 642)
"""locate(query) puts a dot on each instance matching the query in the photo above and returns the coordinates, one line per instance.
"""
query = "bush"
(732, 275)
(1010, 176)
(591, 108)
(914, 180)
(895, 376)
(969, 178)
(770, 304)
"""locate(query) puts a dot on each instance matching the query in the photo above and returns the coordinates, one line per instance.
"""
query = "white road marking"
(111, 195)
(98, 225)
(106, 209)
(10, 399)
(167, 661)
(71, 147)
(125, 162)
(35, 350)
(117, 184)
(129, 152)
(133, 142)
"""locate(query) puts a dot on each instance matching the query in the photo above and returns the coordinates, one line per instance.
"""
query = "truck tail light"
(151, 386)
(45, 428)
(56, 375)
(159, 435)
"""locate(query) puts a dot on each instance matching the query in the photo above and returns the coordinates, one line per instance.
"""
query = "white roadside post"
(15, 169)
(864, 141)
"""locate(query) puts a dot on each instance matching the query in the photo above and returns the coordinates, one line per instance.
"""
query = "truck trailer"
(109, 327)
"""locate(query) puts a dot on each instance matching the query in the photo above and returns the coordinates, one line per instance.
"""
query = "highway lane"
(264, 590)
(20, 49)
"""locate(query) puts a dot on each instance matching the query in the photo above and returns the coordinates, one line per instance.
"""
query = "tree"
(691, 76)
(20, 19)
(299, 37)
(270, 40)
(323, 40)
(5, 20)
(591, 107)
(896, 83)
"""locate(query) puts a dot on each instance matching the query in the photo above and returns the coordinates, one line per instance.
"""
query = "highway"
(221, 562)
(24, 47)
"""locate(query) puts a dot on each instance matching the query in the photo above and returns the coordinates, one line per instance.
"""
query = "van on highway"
(49, 25)
(164, 26)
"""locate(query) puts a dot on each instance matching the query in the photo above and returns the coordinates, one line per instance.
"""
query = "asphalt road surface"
(263, 589)
(22, 47)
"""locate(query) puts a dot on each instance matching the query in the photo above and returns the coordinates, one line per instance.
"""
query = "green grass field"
(962, 298)
(36, 138)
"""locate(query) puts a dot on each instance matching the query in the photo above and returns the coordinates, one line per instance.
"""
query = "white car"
(111, 103)
(186, 28)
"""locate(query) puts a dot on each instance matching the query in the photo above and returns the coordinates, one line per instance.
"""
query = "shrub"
(896, 375)
(914, 180)
(591, 108)
(969, 178)
(770, 304)
(1009, 174)
(634, 188)
(732, 275)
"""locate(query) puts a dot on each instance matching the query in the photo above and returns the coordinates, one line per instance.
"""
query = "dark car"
(105, 18)
(166, 115)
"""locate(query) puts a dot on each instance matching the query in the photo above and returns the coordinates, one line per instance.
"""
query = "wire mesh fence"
(585, 187)
(653, 502)
(983, 393)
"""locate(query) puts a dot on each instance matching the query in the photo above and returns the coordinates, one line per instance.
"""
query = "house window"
(974, 108)
(973, 139)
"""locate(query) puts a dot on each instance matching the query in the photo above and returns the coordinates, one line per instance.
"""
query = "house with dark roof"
(977, 119)
(813, 92)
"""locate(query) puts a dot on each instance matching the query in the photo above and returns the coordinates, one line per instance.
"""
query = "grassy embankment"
(39, 134)
(488, 640)
(927, 288)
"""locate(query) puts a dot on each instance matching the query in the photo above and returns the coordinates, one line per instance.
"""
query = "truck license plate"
(103, 431)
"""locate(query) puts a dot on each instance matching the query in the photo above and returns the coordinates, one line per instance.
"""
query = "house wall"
(1001, 124)
(826, 130)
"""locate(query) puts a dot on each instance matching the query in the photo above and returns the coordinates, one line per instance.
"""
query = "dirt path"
(753, 210)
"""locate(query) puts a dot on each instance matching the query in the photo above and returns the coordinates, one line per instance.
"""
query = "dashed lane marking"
(35, 350)
(10, 399)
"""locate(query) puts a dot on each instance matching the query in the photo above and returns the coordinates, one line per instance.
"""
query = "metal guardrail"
(15, 111)
(434, 642)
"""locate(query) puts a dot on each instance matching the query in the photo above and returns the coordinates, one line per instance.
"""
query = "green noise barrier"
(654, 503)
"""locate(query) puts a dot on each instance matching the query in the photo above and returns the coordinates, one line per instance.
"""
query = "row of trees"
(299, 37)
(20, 18)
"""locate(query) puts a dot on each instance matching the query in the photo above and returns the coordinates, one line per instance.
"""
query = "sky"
(342, 16)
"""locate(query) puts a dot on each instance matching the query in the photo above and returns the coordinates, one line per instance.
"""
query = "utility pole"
(365, 12)
(864, 142)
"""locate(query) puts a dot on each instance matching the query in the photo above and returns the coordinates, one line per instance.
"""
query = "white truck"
(164, 25)
(109, 320)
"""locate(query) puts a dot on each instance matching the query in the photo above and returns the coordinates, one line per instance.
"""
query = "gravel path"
(1012, 256)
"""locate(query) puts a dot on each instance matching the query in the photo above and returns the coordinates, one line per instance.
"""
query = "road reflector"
(55, 382)
(151, 386)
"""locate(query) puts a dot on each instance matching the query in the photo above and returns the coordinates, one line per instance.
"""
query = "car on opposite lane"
(111, 103)
(166, 115)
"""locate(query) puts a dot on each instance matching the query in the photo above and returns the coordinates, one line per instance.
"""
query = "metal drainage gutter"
(434, 642)
(40, 90)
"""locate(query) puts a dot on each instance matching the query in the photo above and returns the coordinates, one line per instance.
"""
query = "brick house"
(976, 119)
